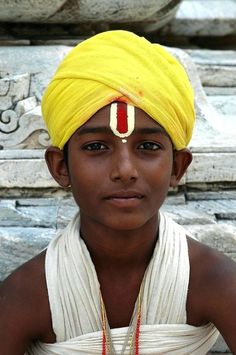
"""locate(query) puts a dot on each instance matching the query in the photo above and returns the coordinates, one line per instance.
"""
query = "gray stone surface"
(219, 236)
(81, 11)
(203, 18)
(13, 90)
(219, 91)
(211, 195)
(39, 61)
(27, 10)
(175, 199)
(225, 104)
(221, 209)
(217, 76)
(216, 68)
(225, 58)
(212, 167)
(18, 245)
(25, 105)
(31, 173)
(35, 216)
(187, 215)
(66, 210)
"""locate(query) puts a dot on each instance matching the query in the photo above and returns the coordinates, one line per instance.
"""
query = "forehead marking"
(122, 119)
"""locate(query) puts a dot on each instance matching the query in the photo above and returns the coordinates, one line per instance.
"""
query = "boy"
(122, 278)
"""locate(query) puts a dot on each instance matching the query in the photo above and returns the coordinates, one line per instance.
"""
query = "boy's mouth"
(125, 199)
(126, 195)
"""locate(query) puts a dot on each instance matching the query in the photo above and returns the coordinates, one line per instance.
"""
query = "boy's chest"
(119, 298)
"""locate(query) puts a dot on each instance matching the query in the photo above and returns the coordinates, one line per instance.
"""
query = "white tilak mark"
(124, 140)
(130, 120)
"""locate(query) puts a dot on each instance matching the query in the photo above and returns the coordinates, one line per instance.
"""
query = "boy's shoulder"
(209, 266)
(24, 307)
(212, 289)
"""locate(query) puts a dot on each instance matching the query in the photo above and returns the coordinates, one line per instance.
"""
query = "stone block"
(211, 195)
(81, 11)
(224, 104)
(216, 68)
(67, 208)
(219, 236)
(40, 61)
(26, 105)
(30, 216)
(4, 88)
(203, 18)
(28, 11)
(212, 167)
(214, 75)
(17, 245)
(219, 91)
(37, 202)
(209, 57)
(17, 89)
(28, 173)
(222, 209)
(176, 199)
(187, 215)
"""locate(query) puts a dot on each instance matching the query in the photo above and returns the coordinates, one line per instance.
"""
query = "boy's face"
(120, 185)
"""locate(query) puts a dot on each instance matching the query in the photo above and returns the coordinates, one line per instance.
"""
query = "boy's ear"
(181, 161)
(57, 166)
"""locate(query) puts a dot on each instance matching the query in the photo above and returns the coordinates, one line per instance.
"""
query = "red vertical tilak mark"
(122, 118)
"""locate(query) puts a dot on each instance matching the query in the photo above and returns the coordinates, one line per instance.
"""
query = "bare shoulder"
(212, 290)
(24, 308)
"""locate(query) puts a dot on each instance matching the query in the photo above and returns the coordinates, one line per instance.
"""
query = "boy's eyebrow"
(143, 130)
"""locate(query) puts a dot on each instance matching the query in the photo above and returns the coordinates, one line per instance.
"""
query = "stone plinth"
(87, 11)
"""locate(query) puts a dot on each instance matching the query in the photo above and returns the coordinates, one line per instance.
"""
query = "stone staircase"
(33, 207)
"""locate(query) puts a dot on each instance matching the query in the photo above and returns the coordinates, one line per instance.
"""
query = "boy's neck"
(119, 249)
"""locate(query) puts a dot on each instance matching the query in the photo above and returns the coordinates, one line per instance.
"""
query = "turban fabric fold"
(119, 66)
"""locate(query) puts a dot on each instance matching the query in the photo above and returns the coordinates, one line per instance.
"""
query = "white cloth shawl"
(73, 290)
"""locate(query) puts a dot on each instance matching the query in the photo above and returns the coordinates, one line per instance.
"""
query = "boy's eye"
(149, 146)
(94, 146)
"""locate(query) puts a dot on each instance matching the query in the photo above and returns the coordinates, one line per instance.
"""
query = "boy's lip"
(125, 199)
(125, 194)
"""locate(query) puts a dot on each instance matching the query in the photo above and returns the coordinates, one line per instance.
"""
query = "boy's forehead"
(102, 119)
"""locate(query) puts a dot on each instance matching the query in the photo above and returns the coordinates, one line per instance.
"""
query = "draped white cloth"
(73, 290)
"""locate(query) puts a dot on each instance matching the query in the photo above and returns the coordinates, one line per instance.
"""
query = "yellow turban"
(119, 65)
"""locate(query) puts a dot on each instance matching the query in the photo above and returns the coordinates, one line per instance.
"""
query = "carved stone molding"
(20, 115)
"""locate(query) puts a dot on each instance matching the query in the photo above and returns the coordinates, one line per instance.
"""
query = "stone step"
(17, 245)
(201, 18)
(216, 68)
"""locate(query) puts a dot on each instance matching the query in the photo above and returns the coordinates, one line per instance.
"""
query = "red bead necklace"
(107, 346)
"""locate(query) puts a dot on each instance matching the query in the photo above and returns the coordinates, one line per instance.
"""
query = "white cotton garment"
(74, 297)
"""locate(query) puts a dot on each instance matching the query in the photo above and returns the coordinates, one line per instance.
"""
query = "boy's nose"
(124, 167)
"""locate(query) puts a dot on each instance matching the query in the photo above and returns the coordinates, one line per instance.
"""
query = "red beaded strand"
(137, 333)
(104, 341)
